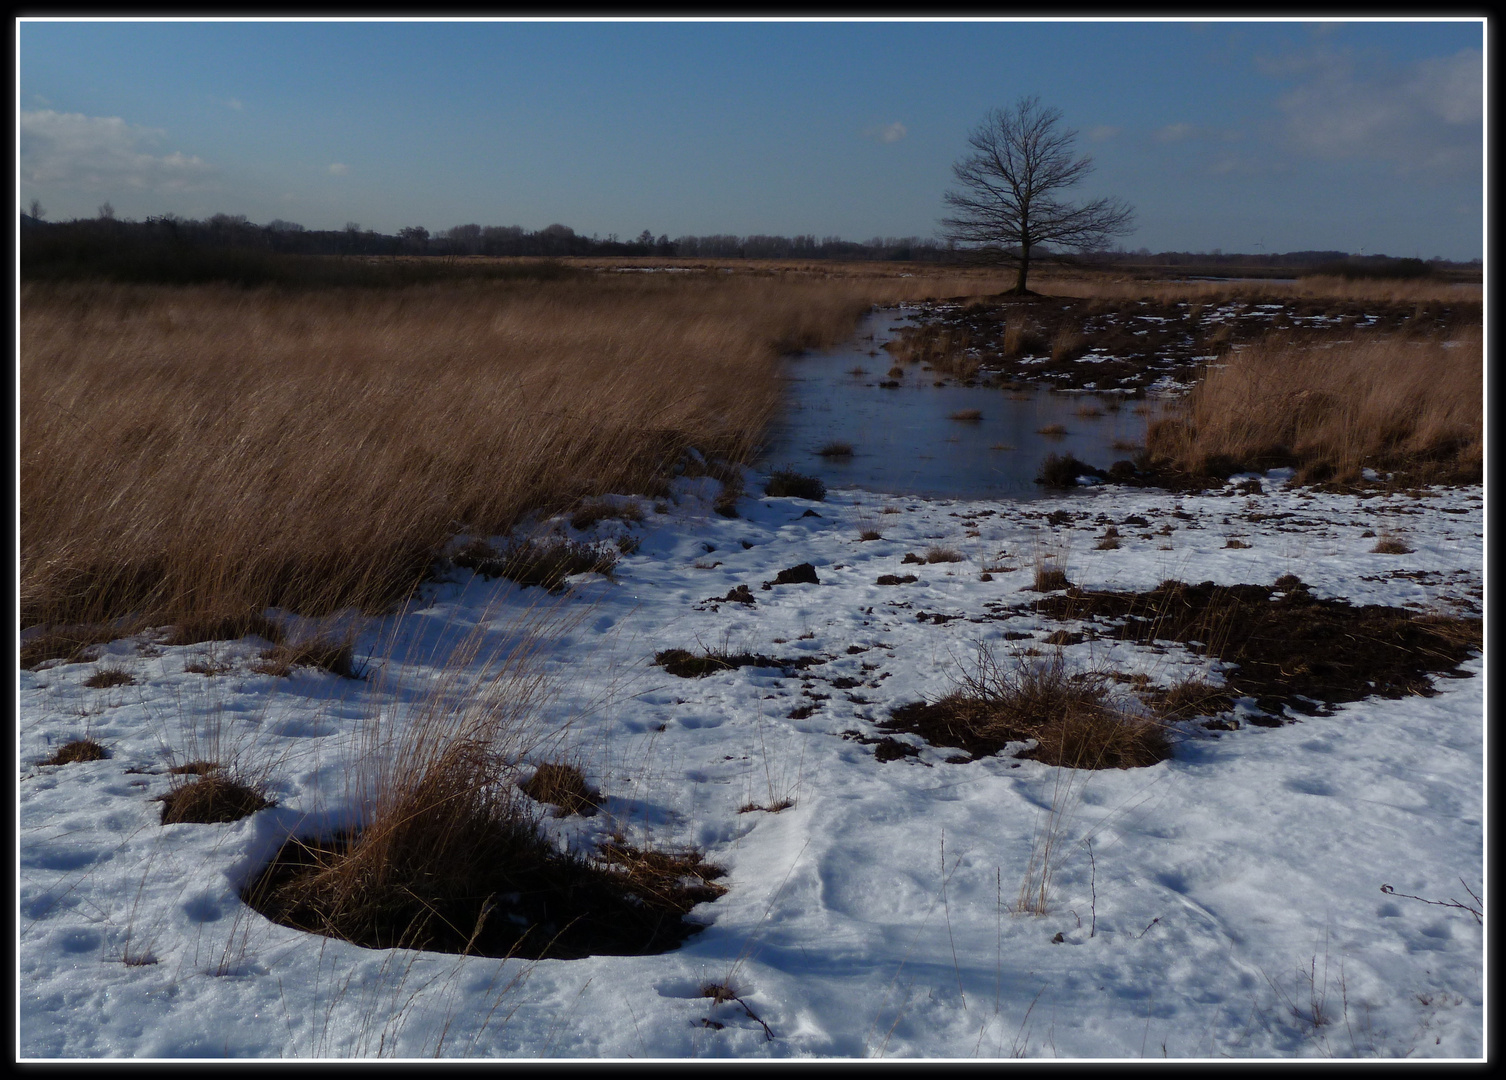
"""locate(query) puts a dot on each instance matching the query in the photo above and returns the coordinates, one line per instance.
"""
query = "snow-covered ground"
(1226, 902)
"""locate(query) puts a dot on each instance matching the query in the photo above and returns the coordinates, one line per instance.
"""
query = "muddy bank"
(1135, 346)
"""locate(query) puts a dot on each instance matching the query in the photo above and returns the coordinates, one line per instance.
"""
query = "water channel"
(903, 439)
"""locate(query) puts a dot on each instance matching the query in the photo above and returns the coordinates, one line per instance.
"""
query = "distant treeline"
(1302, 263)
(227, 247)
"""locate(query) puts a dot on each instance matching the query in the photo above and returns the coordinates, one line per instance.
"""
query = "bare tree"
(1005, 199)
(37, 213)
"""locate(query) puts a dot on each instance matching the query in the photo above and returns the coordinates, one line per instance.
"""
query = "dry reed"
(204, 451)
(1392, 403)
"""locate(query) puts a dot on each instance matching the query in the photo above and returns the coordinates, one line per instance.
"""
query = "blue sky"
(1240, 136)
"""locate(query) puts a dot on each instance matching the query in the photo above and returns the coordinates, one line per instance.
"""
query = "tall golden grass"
(1395, 403)
(201, 451)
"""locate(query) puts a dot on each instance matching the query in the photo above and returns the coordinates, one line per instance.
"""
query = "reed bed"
(1404, 404)
(196, 452)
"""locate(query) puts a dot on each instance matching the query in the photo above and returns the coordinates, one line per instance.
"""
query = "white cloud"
(889, 133)
(1427, 116)
(234, 103)
(1175, 132)
(102, 153)
(1102, 132)
(338, 169)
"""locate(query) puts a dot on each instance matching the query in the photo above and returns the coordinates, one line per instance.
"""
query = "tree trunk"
(1019, 285)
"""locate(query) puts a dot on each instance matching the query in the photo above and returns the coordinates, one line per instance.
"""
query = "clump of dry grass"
(334, 656)
(938, 553)
(214, 798)
(591, 511)
(1050, 569)
(205, 450)
(836, 450)
(1054, 431)
(787, 483)
(562, 785)
(1391, 544)
(967, 416)
(66, 643)
(77, 750)
(1401, 404)
(1072, 717)
(545, 561)
(1067, 345)
(1189, 697)
(194, 629)
(448, 853)
(109, 675)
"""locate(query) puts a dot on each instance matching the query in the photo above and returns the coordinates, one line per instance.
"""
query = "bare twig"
(1477, 912)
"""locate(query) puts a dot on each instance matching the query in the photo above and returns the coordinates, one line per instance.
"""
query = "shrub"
(836, 449)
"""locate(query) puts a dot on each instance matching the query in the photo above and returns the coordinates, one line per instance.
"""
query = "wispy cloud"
(888, 133)
(338, 169)
(1175, 132)
(234, 103)
(102, 153)
(1425, 117)
(1102, 132)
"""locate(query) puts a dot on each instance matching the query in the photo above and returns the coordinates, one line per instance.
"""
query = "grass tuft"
(836, 450)
(546, 561)
(591, 511)
(564, 786)
(108, 676)
(786, 483)
(336, 657)
(214, 798)
(1070, 716)
(196, 629)
(77, 750)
